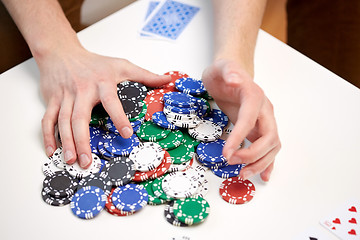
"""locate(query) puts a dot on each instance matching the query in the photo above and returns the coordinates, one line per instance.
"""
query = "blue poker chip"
(182, 110)
(218, 117)
(104, 141)
(120, 146)
(96, 134)
(227, 171)
(210, 153)
(136, 128)
(159, 118)
(179, 99)
(88, 202)
(190, 86)
(109, 125)
(130, 198)
(202, 107)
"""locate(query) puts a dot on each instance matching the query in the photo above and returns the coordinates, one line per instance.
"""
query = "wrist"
(243, 59)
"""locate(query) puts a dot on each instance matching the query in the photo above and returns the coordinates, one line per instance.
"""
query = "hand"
(250, 110)
(72, 83)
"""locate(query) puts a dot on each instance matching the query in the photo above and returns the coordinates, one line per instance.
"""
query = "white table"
(318, 116)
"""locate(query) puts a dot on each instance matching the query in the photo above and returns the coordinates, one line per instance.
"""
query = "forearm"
(43, 25)
(236, 27)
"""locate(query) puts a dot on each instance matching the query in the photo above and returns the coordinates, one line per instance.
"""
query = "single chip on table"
(236, 190)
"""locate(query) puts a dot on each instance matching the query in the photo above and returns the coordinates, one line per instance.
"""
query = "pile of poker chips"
(150, 167)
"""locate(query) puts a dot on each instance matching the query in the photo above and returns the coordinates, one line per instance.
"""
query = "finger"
(260, 165)
(80, 128)
(256, 150)
(113, 107)
(64, 123)
(246, 120)
(265, 175)
(48, 126)
(138, 74)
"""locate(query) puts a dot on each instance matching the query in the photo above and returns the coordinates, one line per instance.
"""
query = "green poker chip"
(189, 140)
(191, 210)
(173, 140)
(158, 191)
(153, 199)
(141, 114)
(181, 154)
(149, 131)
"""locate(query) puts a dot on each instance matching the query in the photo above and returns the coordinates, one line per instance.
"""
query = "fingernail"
(68, 156)
(247, 174)
(49, 151)
(126, 132)
(233, 78)
(84, 160)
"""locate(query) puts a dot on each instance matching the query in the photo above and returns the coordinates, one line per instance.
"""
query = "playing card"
(152, 5)
(169, 19)
(344, 222)
(312, 233)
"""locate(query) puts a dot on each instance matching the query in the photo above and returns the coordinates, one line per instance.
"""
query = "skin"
(73, 80)
(229, 81)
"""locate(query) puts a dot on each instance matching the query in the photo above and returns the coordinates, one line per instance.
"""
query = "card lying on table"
(169, 19)
(344, 222)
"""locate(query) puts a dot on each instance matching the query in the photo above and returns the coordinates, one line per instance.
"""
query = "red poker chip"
(174, 76)
(163, 167)
(143, 176)
(154, 102)
(110, 207)
(236, 190)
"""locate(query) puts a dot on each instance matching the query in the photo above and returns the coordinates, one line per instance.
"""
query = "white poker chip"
(49, 167)
(76, 171)
(206, 131)
(147, 156)
(180, 167)
(180, 184)
(199, 173)
(58, 158)
(178, 116)
(185, 124)
(203, 189)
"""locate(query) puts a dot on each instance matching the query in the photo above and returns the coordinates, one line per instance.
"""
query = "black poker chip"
(53, 201)
(131, 90)
(132, 108)
(60, 184)
(103, 182)
(170, 216)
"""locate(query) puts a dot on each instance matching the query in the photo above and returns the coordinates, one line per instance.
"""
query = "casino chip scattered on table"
(176, 140)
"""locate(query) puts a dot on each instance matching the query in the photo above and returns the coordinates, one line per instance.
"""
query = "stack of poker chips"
(160, 163)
